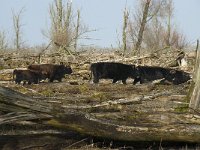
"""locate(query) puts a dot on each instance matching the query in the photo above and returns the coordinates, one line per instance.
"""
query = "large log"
(126, 126)
(178, 131)
(195, 96)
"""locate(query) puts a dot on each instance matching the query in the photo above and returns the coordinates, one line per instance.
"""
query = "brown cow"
(26, 75)
(51, 71)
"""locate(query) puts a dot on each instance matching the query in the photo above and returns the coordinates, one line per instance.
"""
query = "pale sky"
(104, 15)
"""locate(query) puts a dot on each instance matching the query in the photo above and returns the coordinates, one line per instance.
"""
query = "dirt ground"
(83, 93)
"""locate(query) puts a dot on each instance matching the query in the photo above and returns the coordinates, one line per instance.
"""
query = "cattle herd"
(102, 70)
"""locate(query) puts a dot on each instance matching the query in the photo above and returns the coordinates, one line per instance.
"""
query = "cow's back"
(52, 71)
(111, 69)
(42, 67)
(151, 72)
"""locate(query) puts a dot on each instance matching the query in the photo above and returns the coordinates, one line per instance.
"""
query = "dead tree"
(77, 30)
(169, 13)
(18, 29)
(195, 94)
(142, 26)
(65, 31)
(3, 41)
(124, 34)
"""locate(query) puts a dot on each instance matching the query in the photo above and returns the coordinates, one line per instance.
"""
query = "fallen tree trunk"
(90, 124)
(126, 126)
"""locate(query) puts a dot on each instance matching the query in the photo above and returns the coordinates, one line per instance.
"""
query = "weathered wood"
(122, 101)
(21, 116)
(127, 126)
(12, 98)
(195, 96)
(90, 124)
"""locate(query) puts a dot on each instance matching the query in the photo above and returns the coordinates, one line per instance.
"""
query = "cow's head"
(178, 77)
(67, 70)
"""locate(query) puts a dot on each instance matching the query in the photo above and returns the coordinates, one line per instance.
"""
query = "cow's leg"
(142, 81)
(124, 81)
(36, 81)
(59, 79)
(29, 82)
(136, 80)
(115, 80)
(96, 78)
(51, 78)
(17, 82)
(24, 82)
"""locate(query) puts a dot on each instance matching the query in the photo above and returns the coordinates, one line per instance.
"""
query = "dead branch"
(119, 101)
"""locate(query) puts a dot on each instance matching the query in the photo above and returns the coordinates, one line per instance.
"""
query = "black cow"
(151, 73)
(51, 71)
(26, 75)
(112, 70)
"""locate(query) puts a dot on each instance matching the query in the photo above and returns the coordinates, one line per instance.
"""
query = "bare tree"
(153, 36)
(3, 41)
(169, 11)
(138, 24)
(124, 32)
(162, 26)
(77, 29)
(60, 20)
(142, 26)
(158, 31)
(18, 29)
(64, 31)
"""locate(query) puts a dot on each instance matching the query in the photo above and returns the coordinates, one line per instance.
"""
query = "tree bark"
(142, 27)
(195, 94)
(16, 107)
(124, 33)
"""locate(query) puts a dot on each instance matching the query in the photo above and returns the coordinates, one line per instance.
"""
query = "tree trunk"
(142, 27)
(195, 94)
(124, 34)
(77, 30)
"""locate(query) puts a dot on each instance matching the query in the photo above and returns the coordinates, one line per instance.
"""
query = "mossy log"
(126, 126)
